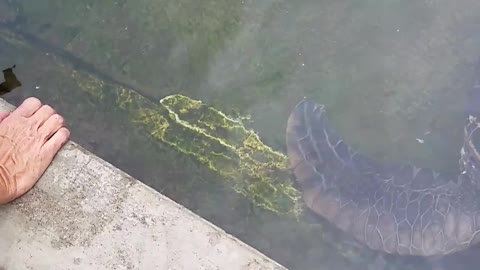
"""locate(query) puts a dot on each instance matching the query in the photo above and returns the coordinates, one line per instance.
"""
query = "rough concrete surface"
(86, 214)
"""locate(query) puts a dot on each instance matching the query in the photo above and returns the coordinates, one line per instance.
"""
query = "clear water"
(392, 75)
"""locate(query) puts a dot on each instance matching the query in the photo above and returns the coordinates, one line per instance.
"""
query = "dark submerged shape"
(11, 82)
(400, 209)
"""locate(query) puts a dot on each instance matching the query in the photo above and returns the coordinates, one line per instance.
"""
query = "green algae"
(254, 169)
(259, 171)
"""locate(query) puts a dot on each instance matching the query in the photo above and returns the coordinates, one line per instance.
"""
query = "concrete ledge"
(86, 214)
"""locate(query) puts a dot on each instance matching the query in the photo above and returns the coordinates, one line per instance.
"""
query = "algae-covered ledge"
(86, 214)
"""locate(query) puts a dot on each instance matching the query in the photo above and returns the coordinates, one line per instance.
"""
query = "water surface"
(392, 75)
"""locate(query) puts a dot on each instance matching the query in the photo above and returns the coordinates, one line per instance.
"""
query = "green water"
(389, 72)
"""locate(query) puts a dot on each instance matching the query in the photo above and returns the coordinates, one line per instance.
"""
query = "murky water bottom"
(389, 73)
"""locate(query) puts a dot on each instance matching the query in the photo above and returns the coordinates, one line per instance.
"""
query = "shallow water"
(391, 74)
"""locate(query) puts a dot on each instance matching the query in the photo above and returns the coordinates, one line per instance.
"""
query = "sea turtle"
(398, 209)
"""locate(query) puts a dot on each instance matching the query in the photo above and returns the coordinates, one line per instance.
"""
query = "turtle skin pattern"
(398, 209)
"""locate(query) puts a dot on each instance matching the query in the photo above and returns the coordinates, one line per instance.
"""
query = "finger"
(28, 107)
(4, 115)
(52, 125)
(42, 115)
(54, 144)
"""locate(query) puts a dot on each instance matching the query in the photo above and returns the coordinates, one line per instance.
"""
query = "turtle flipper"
(399, 209)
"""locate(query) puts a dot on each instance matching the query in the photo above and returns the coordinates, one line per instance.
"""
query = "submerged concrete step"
(86, 214)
